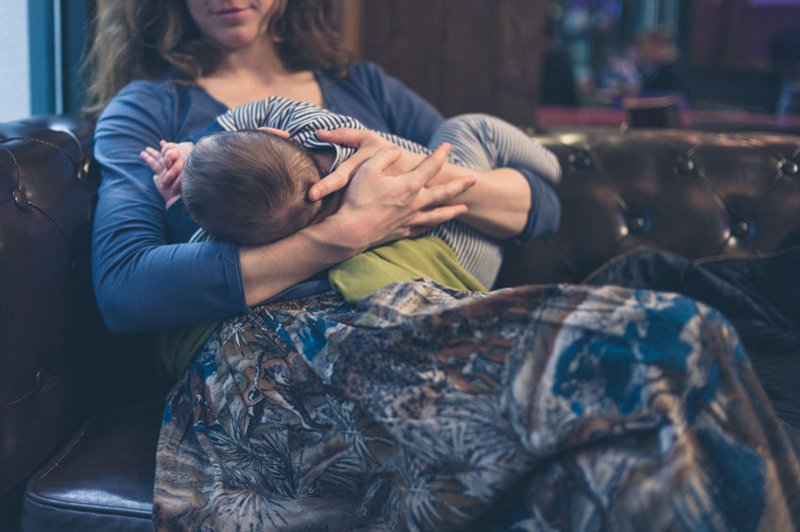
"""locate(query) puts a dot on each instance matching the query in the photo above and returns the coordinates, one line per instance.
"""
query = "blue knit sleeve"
(141, 281)
(545, 212)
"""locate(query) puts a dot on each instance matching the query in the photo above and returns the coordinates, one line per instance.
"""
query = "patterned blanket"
(423, 408)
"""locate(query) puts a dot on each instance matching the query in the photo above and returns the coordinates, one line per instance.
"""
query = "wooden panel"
(462, 55)
(521, 41)
(737, 33)
(469, 63)
(349, 12)
(403, 37)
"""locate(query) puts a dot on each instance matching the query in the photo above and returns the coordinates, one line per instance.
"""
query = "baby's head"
(250, 186)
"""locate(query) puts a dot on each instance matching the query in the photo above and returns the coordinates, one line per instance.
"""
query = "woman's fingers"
(275, 131)
(331, 183)
(380, 161)
(440, 194)
(346, 136)
(429, 168)
(339, 178)
(425, 220)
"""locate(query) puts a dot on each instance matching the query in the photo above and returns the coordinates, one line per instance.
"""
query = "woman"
(191, 94)
(422, 407)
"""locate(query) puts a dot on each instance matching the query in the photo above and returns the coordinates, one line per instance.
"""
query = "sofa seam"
(63, 454)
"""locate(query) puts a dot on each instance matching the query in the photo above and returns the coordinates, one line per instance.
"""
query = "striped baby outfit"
(480, 142)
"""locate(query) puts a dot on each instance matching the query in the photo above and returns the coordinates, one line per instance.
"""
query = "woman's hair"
(142, 39)
(249, 186)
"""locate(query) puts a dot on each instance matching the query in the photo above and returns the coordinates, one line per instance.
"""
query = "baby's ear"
(277, 132)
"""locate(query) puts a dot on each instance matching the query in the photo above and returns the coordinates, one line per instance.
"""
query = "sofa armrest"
(46, 198)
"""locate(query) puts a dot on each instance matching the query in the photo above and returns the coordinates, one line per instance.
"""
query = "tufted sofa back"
(695, 193)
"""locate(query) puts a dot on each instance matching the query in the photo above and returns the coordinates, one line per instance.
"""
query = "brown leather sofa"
(80, 407)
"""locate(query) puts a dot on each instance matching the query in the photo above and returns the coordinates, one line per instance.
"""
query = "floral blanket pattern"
(423, 408)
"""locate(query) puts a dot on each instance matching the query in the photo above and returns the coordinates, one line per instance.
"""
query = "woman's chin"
(235, 40)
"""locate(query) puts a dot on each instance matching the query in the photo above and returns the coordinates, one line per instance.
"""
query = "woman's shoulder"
(366, 74)
(176, 109)
(164, 86)
(140, 95)
(158, 86)
(365, 69)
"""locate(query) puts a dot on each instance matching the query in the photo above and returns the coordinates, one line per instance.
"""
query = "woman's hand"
(367, 144)
(378, 207)
(498, 205)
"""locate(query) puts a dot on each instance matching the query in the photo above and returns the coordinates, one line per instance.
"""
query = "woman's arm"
(145, 283)
(503, 203)
(141, 282)
(499, 203)
(376, 208)
(496, 203)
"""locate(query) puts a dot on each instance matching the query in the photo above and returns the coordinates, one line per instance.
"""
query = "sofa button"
(19, 198)
(581, 160)
(637, 224)
(740, 229)
(789, 168)
(684, 165)
(83, 173)
(38, 379)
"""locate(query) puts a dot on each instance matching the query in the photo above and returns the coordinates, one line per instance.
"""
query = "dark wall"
(462, 55)
(737, 32)
(738, 89)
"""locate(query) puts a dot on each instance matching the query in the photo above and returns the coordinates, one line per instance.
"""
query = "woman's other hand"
(367, 144)
(378, 207)
(498, 205)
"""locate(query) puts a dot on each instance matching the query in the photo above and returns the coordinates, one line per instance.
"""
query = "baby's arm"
(167, 166)
(484, 142)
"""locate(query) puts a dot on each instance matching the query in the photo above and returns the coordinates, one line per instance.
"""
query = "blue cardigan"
(145, 282)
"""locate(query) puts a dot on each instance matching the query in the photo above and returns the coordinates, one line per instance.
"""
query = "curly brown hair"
(142, 39)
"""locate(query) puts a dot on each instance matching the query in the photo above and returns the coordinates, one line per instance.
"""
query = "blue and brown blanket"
(425, 408)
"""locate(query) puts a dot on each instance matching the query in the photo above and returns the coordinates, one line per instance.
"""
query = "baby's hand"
(167, 166)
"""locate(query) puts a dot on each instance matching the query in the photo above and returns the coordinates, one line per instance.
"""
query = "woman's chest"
(245, 91)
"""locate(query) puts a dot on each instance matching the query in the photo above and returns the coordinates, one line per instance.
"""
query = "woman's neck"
(254, 73)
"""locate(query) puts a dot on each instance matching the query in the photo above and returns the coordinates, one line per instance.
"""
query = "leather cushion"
(103, 478)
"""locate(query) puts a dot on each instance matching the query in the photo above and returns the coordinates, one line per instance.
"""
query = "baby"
(249, 186)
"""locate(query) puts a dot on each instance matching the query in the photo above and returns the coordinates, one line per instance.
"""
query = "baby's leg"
(484, 142)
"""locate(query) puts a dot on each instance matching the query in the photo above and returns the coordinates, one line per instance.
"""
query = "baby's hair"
(249, 186)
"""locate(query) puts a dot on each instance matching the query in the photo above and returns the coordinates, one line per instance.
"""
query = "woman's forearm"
(499, 203)
(269, 269)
